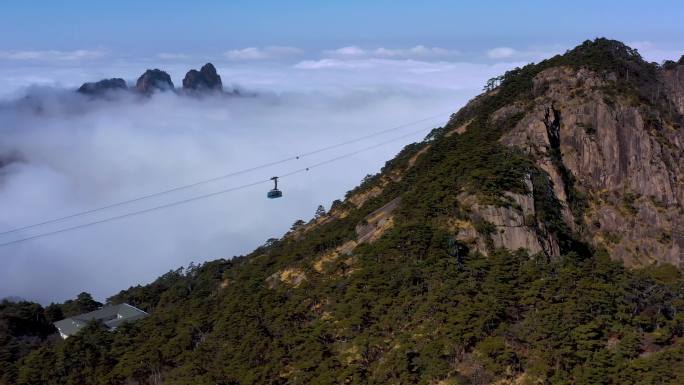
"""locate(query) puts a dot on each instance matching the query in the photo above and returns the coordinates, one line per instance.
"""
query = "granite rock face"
(624, 156)
(512, 226)
(673, 85)
(154, 80)
(206, 79)
(103, 86)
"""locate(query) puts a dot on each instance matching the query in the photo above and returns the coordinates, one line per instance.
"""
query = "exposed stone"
(506, 112)
(346, 248)
(412, 161)
(459, 129)
(325, 259)
(625, 157)
(616, 151)
(376, 223)
(103, 86)
(359, 199)
(290, 276)
(224, 284)
(371, 229)
(673, 81)
(514, 225)
(206, 79)
(154, 80)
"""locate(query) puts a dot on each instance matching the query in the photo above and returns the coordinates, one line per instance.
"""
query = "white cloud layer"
(348, 51)
(649, 50)
(501, 53)
(172, 56)
(529, 54)
(416, 52)
(407, 73)
(52, 55)
(266, 53)
(79, 154)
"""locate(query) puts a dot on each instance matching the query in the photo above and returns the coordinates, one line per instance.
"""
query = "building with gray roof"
(110, 316)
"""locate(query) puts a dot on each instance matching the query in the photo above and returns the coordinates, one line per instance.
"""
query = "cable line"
(374, 134)
(220, 177)
(176, 203)
(212, 194)
(352, 153)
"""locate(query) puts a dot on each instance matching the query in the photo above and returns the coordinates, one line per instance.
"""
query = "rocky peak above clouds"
(103, 86)
(206, 79)
(154, 80)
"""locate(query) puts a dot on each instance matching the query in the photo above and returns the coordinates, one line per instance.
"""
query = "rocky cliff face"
(103, 86)
(622, 156)
(673, 83)
(206, 79)
(613, 155)
(154, 80)
(513, 227)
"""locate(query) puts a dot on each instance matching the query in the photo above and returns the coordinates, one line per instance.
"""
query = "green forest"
(416, 306)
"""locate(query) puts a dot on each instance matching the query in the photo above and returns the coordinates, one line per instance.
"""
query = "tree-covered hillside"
(382, 290)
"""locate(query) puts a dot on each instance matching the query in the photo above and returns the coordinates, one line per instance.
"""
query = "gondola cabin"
(274, 193)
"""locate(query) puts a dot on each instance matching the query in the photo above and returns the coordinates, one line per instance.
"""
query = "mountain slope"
(606, 128)
(484, 254)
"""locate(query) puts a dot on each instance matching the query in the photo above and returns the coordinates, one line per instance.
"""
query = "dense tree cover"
(149, 296)
(414, 307)
(412, 313)
(23, 327)
(83, 303)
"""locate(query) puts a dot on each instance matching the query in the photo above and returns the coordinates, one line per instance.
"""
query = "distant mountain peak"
(154, 80)
(206, 79)
(103, 86)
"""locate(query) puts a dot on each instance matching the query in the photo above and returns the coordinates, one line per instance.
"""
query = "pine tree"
(320, 211)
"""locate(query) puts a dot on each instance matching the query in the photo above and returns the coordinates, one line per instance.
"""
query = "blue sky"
(137, 27)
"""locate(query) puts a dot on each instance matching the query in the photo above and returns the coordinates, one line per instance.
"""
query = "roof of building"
(111, 316)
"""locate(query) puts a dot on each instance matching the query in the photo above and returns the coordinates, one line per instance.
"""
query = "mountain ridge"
(195, 82)
(471, 258)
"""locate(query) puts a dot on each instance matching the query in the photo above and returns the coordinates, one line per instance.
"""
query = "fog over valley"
(67, 153)
(63, 152)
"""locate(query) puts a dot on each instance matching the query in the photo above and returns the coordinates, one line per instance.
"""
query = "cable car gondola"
(275, 193)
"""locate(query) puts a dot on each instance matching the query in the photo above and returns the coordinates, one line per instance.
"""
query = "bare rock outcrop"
(292, 277)
(673, 82)
(195, 82)
(103, 87)
(206, 79)
(154, 80)
(625, 157)
(512, 226)
(376, 223)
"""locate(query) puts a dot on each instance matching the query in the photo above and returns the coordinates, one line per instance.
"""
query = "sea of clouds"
(70, 153)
